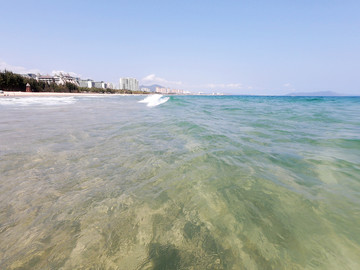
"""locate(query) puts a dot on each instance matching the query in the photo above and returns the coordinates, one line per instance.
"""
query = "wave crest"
(154, 100)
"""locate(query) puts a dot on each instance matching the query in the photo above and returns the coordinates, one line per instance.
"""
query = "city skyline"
(234, 47)
(128, 84)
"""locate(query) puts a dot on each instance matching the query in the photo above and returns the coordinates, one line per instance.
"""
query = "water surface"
(194, 183)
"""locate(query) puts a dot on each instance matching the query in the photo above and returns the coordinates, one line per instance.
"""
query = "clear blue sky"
(243, 47)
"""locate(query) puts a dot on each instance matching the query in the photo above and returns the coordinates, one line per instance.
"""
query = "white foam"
(46, 101)
(154, 100)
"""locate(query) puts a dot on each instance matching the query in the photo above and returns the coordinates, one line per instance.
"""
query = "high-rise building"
(87, 83)
(129, 84)
(100, 85)
(110, 85)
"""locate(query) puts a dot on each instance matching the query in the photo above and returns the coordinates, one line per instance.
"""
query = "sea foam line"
(46, 101)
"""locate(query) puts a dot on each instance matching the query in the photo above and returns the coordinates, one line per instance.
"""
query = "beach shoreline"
(56, 94)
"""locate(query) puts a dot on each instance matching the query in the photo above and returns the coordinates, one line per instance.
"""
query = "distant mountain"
(315, 94)
(151, 87)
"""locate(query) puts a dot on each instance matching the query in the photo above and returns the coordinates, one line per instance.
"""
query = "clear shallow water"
(194, 183)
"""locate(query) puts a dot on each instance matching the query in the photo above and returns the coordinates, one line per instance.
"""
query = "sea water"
(193, 182)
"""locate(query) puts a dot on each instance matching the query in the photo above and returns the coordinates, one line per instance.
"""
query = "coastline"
(55, 94)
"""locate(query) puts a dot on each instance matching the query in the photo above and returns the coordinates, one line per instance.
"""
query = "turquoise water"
(194, 183)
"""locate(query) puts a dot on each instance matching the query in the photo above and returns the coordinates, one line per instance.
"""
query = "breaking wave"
(154, 100)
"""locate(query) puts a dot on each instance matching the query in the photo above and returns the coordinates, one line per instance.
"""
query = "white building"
(110, 86)
(45, 78)
(100, 85)
(145, 89)
(87, 83)
(65, 78)
(129, 84)
(163, 90)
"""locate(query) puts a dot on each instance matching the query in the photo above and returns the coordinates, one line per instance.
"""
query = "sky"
(236, 47)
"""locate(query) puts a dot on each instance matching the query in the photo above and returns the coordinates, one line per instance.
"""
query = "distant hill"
(151, 87)
(315, 94)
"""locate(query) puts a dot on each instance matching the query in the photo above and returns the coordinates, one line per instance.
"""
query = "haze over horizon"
(235, 47)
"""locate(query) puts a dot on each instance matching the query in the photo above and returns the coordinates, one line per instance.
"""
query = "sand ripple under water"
(196, 183)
